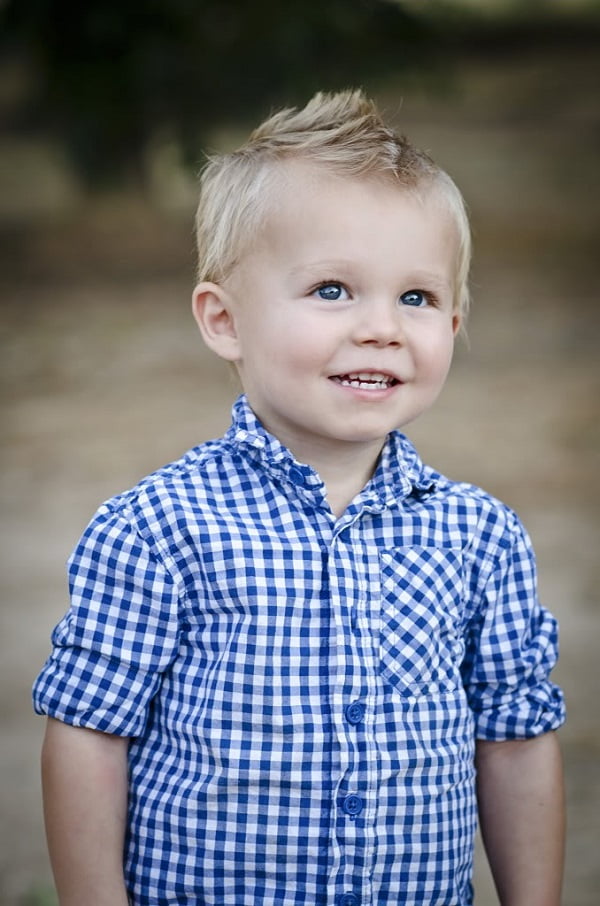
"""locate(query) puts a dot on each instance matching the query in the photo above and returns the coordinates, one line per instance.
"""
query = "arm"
(84, 779)
(522, 816)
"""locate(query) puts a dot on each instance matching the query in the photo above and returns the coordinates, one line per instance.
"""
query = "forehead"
(307, 206)
(296, 188)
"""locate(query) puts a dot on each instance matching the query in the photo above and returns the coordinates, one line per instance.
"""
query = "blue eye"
(331, 292)
(414, 297)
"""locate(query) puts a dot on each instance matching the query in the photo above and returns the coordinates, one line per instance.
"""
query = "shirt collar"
(400, 472)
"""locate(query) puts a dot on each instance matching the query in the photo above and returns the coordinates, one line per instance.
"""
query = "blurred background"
(107, 109)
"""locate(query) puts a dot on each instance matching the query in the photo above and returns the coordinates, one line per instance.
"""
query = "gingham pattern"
(223, 619)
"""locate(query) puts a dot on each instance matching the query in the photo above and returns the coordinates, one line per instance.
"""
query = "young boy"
(288, 652)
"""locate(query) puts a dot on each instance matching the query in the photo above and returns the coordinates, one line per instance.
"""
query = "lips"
(366, 380)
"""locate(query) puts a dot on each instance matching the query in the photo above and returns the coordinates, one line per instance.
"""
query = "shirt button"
(296, 475)
(355, 712)
(353, 806)
(348, 899)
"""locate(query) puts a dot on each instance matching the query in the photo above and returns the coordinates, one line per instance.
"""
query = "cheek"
(282, 353)
(437, 358)
(300, 344)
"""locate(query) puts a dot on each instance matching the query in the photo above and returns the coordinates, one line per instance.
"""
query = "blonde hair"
(343, 132)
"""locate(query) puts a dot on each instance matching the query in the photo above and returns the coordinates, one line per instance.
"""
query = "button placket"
(349, 593)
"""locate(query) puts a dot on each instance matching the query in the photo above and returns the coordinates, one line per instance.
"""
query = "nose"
(379, 323)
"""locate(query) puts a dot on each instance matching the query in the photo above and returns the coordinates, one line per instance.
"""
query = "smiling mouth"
(366, 380)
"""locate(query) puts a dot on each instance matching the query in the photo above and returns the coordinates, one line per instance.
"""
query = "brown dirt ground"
(99, 356)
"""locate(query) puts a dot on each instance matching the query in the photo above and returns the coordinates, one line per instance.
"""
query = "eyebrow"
(340, 266)
(346, 268)
(320, 267)
(429, 279)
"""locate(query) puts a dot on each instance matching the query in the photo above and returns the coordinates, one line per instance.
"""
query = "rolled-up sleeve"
(119, 636)
(512, 648)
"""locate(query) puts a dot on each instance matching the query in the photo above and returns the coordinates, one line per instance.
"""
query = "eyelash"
(333, 283)
(429, 297)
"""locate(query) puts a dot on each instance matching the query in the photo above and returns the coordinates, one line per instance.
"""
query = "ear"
(456, 323)
(214, 316)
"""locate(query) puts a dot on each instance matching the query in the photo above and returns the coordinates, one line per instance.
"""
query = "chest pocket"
(421, 643)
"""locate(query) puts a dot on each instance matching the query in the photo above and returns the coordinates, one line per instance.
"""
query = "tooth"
(371, 376)
(364, 384)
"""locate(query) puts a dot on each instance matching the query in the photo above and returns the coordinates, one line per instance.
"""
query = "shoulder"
(471, 498)
(159, 509)
(458, 513)
(490, 530)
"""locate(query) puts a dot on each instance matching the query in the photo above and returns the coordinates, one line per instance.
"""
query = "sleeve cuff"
(506, 715)
(86, 689)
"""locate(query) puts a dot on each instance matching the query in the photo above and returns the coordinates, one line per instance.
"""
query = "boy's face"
(340, 317)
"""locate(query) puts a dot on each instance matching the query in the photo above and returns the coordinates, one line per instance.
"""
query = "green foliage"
(41, 896)
(111, 74)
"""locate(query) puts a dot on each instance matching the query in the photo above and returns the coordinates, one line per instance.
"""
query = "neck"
(343, 472)
(339, 497)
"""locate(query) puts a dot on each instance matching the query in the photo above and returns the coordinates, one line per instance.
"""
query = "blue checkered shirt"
(302, 693)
